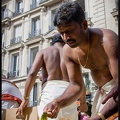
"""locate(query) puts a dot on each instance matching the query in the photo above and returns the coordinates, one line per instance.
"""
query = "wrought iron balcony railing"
(34, 34)
(18, 12)
(16, 40)
(7, 14)
(13, 74)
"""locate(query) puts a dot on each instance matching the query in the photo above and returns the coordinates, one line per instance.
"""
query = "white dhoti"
(51, 90)
(100, 95)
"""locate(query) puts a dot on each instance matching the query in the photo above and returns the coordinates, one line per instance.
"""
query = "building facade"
(27, 27)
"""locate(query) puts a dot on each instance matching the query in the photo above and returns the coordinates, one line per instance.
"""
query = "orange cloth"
(10, 97)
(113, 116)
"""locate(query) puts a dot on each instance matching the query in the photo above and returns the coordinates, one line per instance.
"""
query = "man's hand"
(19, 113)
(52, 109)
(113, 93)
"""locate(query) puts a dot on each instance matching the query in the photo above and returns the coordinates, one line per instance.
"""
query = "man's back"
(52, 63)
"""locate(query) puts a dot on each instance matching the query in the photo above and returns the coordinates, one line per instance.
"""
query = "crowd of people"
(73, 47)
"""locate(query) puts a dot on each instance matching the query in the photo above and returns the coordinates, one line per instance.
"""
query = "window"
(36, 26)
(18, 33)
(33, 52)
(4, 13)
(19, 6)
(82, 3)
(3, 39)
(35, 3)
(116, 3)
(33, 96)
(15, 64)
(52, 18)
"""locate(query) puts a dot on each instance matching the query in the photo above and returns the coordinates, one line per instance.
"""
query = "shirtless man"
(54, 80)
(92, 48)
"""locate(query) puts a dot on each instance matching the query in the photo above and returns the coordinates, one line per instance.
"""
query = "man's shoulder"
(67, 48)
(48, 50)
(102, 30)
(42, 51)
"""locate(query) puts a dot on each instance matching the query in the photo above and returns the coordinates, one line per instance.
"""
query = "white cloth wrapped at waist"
(100, 95)
(51, 90)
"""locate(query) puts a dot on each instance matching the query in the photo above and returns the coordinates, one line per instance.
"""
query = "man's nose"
(66, 37)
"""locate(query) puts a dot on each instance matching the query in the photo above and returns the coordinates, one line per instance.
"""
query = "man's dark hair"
(56, 38)
(67, 12)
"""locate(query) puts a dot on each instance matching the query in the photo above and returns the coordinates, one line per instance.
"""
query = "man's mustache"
(70, 40)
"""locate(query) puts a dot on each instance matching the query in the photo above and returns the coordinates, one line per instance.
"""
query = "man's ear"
(84, 24)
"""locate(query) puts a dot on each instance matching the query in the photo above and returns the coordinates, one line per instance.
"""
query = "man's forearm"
(83, 95)
(110, 108)
(29, 84)
(71, 94)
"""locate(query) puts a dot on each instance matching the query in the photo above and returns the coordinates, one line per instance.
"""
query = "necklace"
(87, 54)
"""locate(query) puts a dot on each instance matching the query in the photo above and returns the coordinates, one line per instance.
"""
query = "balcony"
(13, 74)
(18, 12)
(16, 40)
(7, 14)
(34, 34)
(5, 1)
(48, 2)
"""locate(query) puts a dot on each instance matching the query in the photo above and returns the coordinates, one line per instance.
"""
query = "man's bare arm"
(73, 92)
(110, 45)
(83, 104)
(31, 78)
(30, 82)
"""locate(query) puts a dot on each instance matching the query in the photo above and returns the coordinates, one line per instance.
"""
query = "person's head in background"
(57, 38)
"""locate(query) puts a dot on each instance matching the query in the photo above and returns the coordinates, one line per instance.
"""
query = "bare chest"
(96, 58)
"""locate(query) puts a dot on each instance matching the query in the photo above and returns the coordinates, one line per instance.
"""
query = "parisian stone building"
(27, 27)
